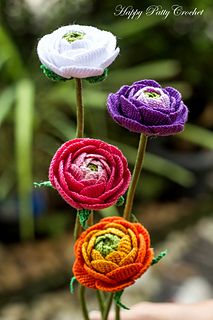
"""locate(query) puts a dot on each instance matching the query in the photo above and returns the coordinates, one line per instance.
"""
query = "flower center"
(107, 243)
(152, 94)
(73, 36)
(92, 167)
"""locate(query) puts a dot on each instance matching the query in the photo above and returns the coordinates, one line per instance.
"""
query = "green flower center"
(73, 36)
(152, 94)
(92, 167)
(107, 243)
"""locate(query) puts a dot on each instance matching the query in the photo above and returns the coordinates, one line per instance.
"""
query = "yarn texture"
(89, 173)
(76, 51)
(112, 254)
(146, 107)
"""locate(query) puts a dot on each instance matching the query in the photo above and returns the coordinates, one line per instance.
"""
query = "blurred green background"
(38, 115)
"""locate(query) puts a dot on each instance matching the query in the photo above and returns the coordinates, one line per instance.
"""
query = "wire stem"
(79, 109)
(117, 312)
(83, 302)
(135, 176)
(108, 305)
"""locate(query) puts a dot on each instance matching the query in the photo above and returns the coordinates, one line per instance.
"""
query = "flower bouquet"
(91, 174)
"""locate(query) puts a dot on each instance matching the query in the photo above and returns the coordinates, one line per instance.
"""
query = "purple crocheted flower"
(146, 107)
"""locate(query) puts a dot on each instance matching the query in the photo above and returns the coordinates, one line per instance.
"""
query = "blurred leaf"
(159, 165)
(6, 100)
(127, 28)
(6, 182)
(157, 70)
(10, 53)
(23, 135)
(197, 135)
(109, 212)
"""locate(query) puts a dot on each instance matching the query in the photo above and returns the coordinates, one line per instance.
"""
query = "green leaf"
(159, 257)
(43, 184)
(23, 144)
(117, 299)
(197, 135)
(83, 217)
(6, 100)
(159, 165)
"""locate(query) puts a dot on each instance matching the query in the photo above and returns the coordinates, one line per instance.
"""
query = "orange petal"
(103, 266)
(142, 249)
(96, 255)
(144, 232)
(147, 262)
(84, 252)
(125, 245)
(90, 234)
(126, 272)
(82, 276)
(96, 275)
(130, 258)
(115, 256)
(112, 288)
(117, 226)
(115, 231)
(133, 238)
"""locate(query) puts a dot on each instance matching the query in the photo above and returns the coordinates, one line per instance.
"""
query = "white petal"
(109, 60)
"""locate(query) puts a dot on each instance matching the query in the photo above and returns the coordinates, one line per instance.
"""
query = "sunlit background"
(174, 195)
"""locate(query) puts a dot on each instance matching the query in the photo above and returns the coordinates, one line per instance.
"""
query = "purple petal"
(129, 110)
(147, 82)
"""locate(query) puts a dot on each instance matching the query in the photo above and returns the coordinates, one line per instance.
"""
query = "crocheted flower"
(112, 254)
(89, 173)
(77, 51)
(146, 107)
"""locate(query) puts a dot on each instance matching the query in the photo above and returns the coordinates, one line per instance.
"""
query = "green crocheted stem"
(43, 184)
(120, 201)
(73, 279)
(159, 257)
(83, 217)
(117, 299)
(100, 78)
(107, 243)
(52, 75)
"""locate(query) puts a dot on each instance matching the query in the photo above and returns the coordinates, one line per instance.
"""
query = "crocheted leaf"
(134, 218)
(117, 298)
(120, 201)
(83, 217)
(43, 184)
(73, 279)
(98, 78)
(52, 75)
(159, 257)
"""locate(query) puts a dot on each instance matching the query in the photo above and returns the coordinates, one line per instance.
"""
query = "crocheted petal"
(82, 276)
(146, 264)
(110, 59)
(96, 255)
(117, 191)
(129, 110)
(104, 266)
(99, 276)
(115, 256)
(93, 191)
(174, 93)
(100, 206)
(133, 238)
(125, 245)
(112, 288)
(79, 72)
(65, 196)
(117, 226)
(84, 253)
(166, 130)
(126, 272)
(147, 82)
(113, 104)
(129, 259)
(132, 125)
(72, 183)
(144, 232)
(142, 249)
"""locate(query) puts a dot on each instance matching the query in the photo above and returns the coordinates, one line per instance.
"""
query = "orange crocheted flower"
(112, 254)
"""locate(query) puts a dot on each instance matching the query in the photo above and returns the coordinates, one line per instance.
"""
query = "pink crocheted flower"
(89, 173)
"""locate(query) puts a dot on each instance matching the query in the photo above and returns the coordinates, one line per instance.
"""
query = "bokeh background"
(174, 195)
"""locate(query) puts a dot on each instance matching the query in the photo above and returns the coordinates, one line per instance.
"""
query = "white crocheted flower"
(77, 51)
